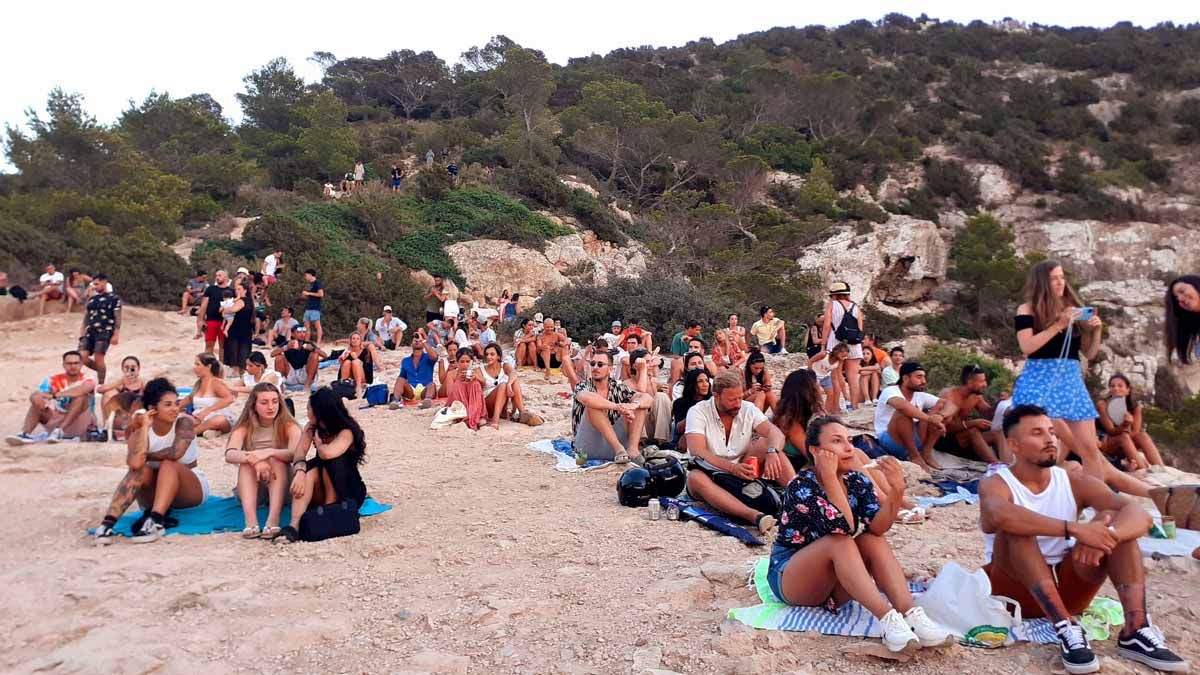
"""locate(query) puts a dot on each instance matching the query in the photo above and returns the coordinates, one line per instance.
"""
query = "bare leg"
(127, 491)
(885, 569)
(36, 414)
(930, 435)
(516, 395)
(320, 332)
(1146, 444)
(820, 569)
(310, 370)
(495, 404)
(175, 485)
(1021, 559)
(973, 438)
(278, 491)
(300, 504)
(903, 431)
(247, 491)
(852, 377)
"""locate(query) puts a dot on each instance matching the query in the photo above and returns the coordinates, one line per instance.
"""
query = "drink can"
(1168, 526)
(753, 463)
(673, 511)
(655, 509)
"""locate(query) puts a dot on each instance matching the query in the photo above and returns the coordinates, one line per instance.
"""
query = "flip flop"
(251, 533)
(270, 533)
(621, 457)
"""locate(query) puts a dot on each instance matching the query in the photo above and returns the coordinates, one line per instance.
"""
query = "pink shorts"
(268, 279)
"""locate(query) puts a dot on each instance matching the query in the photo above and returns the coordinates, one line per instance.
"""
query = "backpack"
(344, 388)
(376, 394)
(329, 520)
(849, 330)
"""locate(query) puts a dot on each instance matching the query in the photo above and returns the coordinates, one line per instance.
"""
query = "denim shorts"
(780, 557)
(826, 382)
(893, 448)
(772, 347)
(311, 315)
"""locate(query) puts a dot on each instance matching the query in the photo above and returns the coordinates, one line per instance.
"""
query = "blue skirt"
(1056, 385)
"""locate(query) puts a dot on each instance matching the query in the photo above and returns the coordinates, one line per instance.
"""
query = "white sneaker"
(783, 350)
(55, 436)
(928, 633)
(897, 636)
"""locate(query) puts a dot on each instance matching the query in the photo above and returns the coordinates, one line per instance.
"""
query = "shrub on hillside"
(222, 254)
(484, 156)
(1177, 431)
(661, 303)
(950, 180)
(1188, 119)
(944, 365)
(535, 182)
(991, 272)
(254, 200)
(433, 182)
(141, 269)
(425, 251)
(597, 217)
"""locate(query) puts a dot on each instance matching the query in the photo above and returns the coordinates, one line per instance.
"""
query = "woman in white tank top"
(162, 471)
(211, 399)
(501, 385)
(837, 308)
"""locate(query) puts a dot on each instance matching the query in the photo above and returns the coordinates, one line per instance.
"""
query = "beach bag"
(455, 412)
(962, 602)
(344, 388)
(848, 329)
(376, 394)
(329, 520)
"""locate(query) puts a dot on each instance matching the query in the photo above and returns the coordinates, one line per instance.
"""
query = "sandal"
(251, 533)
(764, 522)
(287, 535)
(270, 533)
(621, 457)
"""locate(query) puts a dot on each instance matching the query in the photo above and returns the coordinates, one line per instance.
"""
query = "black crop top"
(1053, 348)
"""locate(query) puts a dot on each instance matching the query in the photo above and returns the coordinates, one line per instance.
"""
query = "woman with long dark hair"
(800, 400)
(211, 399)
(1054, 330)
(260, 445)
(162, 471)
(697, 387)
(1181, 326)
(1124, 435)
(333, 475)
(758, 382)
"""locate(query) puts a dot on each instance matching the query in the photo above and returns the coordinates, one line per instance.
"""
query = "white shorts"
(295, 376)
(205, 489)
(855, 350)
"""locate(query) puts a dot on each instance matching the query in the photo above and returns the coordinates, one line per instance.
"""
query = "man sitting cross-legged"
(720, 437)
(298, 360)
(965, 434)
(909, 421)
(607, 416)
(1040, 555)
(416, 370)
(643, 368)
(62, 404)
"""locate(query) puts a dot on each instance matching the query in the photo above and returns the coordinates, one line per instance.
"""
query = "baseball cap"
(243, 270)
(910, 367)
(839, 288)
(616, 323)
(538, 317)
(387, 308)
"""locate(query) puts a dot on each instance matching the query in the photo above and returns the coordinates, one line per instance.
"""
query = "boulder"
(574, 183)
(898, 262)
(994, 185)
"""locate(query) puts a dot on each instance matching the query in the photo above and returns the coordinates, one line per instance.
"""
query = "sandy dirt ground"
(491, 562)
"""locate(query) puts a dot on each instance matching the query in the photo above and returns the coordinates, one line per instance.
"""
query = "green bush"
(223, 254)
(538, 183)
(433, 182)
(484, 156)
(141, 269)
(950, 326)
(944, 365)
(991, 272)
(425, 251)
(1176, 430)
(950, 180)
(596, 216)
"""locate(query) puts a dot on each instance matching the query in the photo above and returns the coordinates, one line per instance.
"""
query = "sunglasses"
(597, 364)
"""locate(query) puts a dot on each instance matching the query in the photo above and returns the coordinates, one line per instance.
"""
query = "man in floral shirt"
(607, 416)
(101, 326)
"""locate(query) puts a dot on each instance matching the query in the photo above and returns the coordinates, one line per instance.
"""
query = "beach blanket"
(959, 494)
(564, 456)
(224, 514)
(688, 510)
(851, 620)
(1184, 543)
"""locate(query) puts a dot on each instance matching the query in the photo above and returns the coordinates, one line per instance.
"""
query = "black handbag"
(329, 520)
(345, 388)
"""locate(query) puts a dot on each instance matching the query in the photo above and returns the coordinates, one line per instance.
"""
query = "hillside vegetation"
(685, 138)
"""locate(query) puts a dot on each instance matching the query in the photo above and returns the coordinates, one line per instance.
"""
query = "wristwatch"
(772, 450)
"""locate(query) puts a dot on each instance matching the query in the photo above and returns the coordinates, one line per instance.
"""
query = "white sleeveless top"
(490, 383)
(160, 443)
(1056, 501)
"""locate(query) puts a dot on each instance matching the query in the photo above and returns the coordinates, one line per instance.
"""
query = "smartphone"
(1086, 313)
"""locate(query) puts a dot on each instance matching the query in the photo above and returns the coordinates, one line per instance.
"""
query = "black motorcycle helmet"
(667, 476)
(633, 488)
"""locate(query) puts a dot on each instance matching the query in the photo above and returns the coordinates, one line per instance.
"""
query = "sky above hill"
(114, 52)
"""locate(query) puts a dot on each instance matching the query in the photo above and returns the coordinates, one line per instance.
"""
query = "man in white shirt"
(891, 372)
(279, 333)
(271, 264)
(51, 287)
(720, 438)
(911, 434)
(390, 328)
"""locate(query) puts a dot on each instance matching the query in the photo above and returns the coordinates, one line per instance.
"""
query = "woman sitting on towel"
(463, 382)
(831, 549)
(261, 446)
(211, 399)
(333, 475)
(162, 471)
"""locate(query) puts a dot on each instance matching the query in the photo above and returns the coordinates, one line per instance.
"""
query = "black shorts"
(94, 344)
(554, 362)
(758, 494)
(432, 316)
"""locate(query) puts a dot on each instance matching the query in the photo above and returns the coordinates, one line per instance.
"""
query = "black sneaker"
(1077, 657)
(150, 531)
(1148, 646)
(104, 535)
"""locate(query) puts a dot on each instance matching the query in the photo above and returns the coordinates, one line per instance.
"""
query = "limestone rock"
(994, 185)
(784, 178)
(574, 183)
(1106, 111)
(898, 262)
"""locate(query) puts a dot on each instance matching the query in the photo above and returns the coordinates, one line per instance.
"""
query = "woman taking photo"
(1182, 323)
(758, 382)
(120, 398)
(357, 363)
(1124, 436)
(463, 383)
(830, 548)
(697, 387)
(1054, 331)
(162, 471)
(261, 447)
(800, 400)
(241, 329)
(211, 399)
(333, 475)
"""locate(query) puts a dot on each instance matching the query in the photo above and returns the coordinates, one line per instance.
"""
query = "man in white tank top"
(1041, 556)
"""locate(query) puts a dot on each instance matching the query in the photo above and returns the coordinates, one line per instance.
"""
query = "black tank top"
(242, 327)
(1052, 349)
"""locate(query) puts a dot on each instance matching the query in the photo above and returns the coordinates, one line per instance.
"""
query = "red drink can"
(753, 462)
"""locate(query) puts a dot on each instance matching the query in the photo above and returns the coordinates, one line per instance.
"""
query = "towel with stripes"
(851, 619)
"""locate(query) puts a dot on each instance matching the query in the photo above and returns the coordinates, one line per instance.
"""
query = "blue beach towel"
(224, 514)
(564, 456)
(851, 619)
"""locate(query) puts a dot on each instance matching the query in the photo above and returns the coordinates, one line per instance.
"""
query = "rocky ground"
(491, 562)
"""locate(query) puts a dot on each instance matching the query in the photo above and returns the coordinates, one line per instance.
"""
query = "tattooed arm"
(185, 433)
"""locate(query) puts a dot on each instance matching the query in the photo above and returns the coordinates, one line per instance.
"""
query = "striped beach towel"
(851, 619)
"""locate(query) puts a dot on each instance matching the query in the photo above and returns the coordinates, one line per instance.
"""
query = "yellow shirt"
(766, 332)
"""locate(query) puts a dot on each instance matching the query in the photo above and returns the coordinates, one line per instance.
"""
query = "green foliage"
(140, 268)
(484, 155)
(944, 365)
(425, 251)
(1176, 430)
(782, 148)
(596, 216)
(1137, 115)
(950, 180)
(433, 183)
(1188, 119)
(327, 143)
(990, 271)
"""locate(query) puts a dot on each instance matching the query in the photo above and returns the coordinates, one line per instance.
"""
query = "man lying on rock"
(721, 439)
(1039, 554)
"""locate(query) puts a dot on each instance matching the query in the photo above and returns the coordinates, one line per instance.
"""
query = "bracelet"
(303, 468)
(1066, 529)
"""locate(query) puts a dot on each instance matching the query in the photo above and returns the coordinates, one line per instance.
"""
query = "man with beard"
(1039, 554)
(607, 416)
(733, 444)
(968, 436)
(911, 434)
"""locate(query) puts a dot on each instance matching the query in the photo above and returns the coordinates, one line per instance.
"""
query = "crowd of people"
(774, 455)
